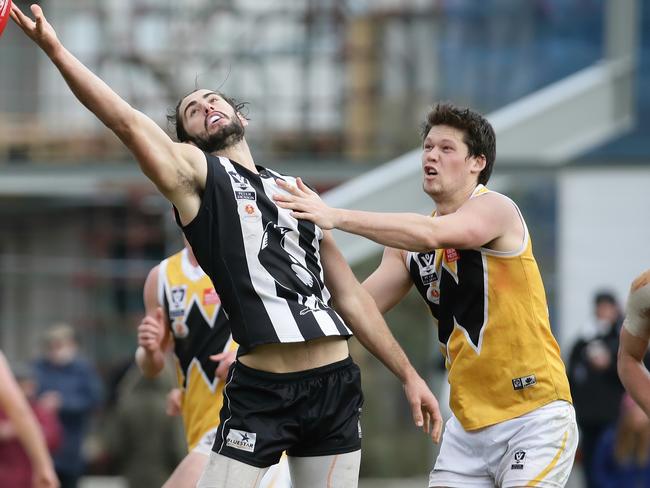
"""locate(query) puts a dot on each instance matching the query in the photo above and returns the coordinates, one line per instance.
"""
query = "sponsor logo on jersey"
(451, 255)
(242, 440)
(244, 195)
(210, 297)
(524, 382)
(519, 457)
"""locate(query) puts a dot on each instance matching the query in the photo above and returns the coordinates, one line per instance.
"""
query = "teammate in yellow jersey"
(513, 423)
(183, 312)
(635, 335)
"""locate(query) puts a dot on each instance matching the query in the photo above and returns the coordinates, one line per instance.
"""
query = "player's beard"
(229, 135)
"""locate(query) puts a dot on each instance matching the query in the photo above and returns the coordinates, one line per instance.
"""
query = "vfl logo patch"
(519, 460)
(239, 179)
(427, 269)
(177, 305)
(242, 440)
(524, 382)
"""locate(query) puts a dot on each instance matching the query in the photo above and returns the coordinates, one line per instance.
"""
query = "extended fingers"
(19, 17)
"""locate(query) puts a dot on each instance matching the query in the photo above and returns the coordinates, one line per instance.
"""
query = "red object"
(5, 9)
(451, 255)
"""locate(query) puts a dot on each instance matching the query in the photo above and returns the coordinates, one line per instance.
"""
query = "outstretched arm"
(174, 168)
(15, 405)
(359, 311)
(153, 332)
(478, 222)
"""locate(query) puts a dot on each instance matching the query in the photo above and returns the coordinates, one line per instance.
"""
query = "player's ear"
(242, 119)
(479, 163)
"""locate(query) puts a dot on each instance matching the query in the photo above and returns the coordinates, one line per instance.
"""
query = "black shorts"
(307, 413)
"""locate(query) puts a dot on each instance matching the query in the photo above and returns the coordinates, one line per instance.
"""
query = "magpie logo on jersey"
(287, 271)
(519, 457)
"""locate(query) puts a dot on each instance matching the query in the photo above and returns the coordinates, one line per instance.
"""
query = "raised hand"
(424, 407)
(151, 332)
(306, 204)
(39, 29)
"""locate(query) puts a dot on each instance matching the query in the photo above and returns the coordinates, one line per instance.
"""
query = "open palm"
(39, 30)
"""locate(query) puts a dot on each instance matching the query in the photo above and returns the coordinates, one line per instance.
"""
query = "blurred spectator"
(143, 442)
(595, 386)
(25, 429)
(622, 455)
(15, 466)
(69, 386)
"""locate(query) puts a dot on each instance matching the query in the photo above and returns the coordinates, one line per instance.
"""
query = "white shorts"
(204, 446)
(536, 449)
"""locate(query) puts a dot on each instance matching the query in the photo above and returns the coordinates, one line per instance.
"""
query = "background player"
(183, 312)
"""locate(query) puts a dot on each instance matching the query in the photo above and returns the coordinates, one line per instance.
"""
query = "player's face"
(445, 163)
(210, 121)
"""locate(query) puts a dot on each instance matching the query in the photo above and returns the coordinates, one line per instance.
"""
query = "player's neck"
(449, 203)
(191, 257)
(240, 153)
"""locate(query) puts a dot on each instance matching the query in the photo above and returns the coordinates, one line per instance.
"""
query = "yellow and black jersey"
(494, 331)
(200, 328)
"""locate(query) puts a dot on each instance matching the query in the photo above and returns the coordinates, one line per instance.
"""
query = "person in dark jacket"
(595, 386)
(69, 386)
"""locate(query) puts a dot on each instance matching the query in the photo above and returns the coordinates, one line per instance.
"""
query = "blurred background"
(337, 90)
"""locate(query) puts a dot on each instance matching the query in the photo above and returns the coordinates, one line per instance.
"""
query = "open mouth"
(213, 119)
(429, 171)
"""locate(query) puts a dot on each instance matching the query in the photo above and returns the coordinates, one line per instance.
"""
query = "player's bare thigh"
(188, 472)
(334, 471)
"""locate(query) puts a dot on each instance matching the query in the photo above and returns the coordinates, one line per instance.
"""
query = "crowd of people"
(256, 312)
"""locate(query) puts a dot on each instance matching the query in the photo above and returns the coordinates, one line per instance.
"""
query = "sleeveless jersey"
(199, 328)
(493, 328)
(264, 263)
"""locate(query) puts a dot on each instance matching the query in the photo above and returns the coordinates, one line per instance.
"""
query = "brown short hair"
(478, 133)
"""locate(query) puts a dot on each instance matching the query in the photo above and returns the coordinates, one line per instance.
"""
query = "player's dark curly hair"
(174, 118)
(478, 133)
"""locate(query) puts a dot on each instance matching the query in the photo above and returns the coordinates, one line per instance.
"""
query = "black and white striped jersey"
(264, 264)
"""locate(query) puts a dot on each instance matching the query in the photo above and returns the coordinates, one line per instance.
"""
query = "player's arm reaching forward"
(635, 335)
(178, 170)
(154, 338)
(15, 405)
(488, 221)
(360, 312)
